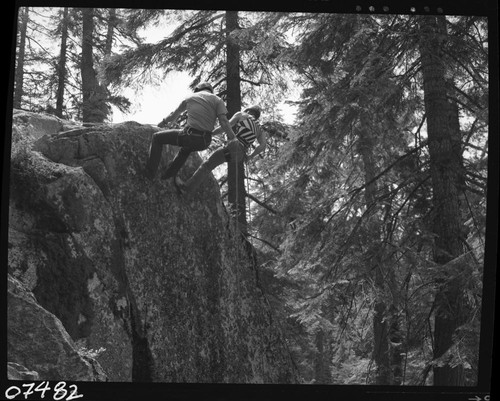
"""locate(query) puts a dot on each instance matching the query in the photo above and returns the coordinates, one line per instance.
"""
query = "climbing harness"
(206, 135)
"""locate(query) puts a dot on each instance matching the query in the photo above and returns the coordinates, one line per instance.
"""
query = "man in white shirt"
(204, 108)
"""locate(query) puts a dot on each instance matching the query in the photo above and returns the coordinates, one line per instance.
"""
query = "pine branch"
(475, 75)
(355, 191)
(475, 191)
(274, 247)
(477, 176)
(169, 53)
(180, 32)
(254, 83)
(470, 145)
(261, 203)
(414, 190)
(358, 189)
(464, 104)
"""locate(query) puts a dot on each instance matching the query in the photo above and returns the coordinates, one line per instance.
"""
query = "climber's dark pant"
(233, 152)
(189, 140)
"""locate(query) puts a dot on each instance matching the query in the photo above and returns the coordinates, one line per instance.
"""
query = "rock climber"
(247, 131)
(203, 109)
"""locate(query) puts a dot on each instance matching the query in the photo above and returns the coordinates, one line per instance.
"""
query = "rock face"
(19, 372)
(36, 338)
(157, 287)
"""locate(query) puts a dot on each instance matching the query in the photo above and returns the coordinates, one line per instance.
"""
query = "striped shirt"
(246, 131)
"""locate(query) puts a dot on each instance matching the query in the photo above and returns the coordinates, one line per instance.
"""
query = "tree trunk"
(61, 66)
(94, 109)
(236, 171)
(109, 34)
(19, 74)
(87, 65)
(395, 335)
(380, 329)
(381, 352)
(385, 323)
(445, 168)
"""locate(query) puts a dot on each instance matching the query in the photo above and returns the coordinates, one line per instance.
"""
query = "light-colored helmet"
(203, 86)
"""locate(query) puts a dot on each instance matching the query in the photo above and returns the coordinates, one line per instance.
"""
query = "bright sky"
(153, 103)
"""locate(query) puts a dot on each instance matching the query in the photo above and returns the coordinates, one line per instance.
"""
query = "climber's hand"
(163, 123)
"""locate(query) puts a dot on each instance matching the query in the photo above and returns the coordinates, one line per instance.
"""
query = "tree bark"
(110, 32)
(380, 329)
(61, 66)
(87, 64)
(445, 167)
(236, 171)
(385, 321)
(94, 109)
(19, 74)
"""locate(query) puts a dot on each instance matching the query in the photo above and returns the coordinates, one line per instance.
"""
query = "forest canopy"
(369, 211)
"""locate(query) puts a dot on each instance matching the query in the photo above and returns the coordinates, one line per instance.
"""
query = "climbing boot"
(196, 179)
(179, 185)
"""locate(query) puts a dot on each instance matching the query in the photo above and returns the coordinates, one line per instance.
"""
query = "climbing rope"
(236, 216)
(248, 203)
(238, 231)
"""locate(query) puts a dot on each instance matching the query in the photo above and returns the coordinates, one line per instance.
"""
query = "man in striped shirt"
(238, 147)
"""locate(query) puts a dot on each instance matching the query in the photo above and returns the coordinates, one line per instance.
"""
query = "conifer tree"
(32, 91)
(445, 164)
(363, 102)
(94, 108)
(236, 171)
(21, 49)
(61, 65)
(48, 65)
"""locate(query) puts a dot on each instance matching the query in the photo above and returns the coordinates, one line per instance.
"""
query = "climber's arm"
(225, 126)
(232, 122)
(262, 139)
(174, 115)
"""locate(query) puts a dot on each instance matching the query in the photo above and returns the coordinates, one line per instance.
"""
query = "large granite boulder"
(157, 287)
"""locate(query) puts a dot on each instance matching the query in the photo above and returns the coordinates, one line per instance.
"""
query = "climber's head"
(254, 111)
(204, 86)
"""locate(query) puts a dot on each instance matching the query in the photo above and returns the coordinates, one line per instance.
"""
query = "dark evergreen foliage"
(341, 209)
